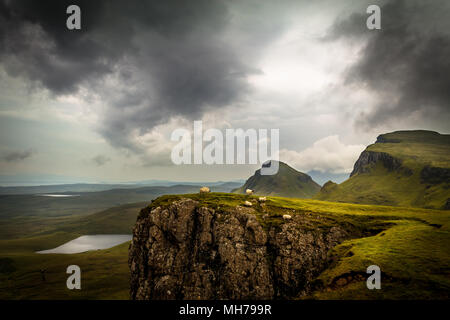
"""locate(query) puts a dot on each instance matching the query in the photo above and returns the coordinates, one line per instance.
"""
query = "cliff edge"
(186, 249)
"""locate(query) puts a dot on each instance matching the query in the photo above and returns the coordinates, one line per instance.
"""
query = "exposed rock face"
(435, 175)
(368, 158)
(447, 205)
(183, 251)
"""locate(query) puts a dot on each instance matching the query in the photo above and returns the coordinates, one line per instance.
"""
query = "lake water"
(58, 195)
(88, 243)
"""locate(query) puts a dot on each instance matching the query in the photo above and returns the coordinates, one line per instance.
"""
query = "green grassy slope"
(411, 245)
(415, 172)
(105, 273)
(288, 182)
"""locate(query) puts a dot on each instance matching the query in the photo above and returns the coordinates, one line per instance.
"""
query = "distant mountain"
(58, 188)
(404, 168)
(168, 183)
(288, 182)
(218, 186)
(12, 205)
(322, 177)
(25, 179)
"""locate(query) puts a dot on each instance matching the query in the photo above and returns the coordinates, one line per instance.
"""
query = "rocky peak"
(287, 182)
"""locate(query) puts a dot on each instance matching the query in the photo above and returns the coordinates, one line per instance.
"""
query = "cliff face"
(369, 158)
(435, 175)
(185, 251)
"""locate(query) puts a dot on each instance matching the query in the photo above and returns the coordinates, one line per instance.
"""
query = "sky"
(99, 104)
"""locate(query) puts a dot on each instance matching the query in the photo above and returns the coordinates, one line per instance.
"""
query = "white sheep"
(287, 217)
(249, 192)
(204, 190)
(248, 204)
(262, 199)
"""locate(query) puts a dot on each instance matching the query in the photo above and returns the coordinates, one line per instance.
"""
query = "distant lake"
(88, 243)
(58, 195)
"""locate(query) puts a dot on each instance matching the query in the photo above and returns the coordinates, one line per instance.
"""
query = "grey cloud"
(407, 62)
(100, 160)
(17, 156)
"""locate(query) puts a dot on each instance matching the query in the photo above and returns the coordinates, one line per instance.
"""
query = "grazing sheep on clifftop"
(248, 204)
(204, 190)
(287, 217)
(249, 192)
(262, 199)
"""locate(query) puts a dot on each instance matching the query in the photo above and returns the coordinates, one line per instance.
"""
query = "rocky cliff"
(183, 249)
(368, 159)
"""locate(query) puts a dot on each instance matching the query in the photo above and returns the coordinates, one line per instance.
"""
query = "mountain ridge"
(402, 168)
(287, 182)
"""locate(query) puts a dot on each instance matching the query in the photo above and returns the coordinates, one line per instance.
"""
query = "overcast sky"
(100, 104)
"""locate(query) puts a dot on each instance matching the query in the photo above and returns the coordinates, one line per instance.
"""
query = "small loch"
(89, 243)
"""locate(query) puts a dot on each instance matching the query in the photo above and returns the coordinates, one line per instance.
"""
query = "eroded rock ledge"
(184, 251)
(368, 159)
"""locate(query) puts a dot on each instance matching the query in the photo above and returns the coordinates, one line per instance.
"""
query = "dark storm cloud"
(17, 156)
(35, 43)
(407, 62)
(147, 60)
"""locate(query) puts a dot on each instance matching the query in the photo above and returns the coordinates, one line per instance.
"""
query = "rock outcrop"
(368, 159)
(434, 175)
(181, 250)
(447, 205)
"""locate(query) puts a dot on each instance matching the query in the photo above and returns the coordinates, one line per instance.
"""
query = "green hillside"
(409, 244)
(403, 168)
(288, 182)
